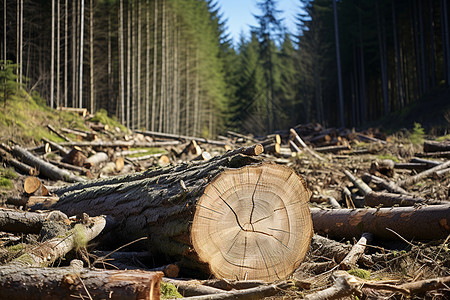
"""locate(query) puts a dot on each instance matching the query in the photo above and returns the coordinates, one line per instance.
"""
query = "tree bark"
(225, 222)
(433, 222)
(375, 199)
(44, 167)
(74, 281)
(432, 146)
(181, 137)
(24, 221)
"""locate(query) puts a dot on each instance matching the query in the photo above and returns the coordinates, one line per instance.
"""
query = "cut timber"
(31, 184)
(123, 144)
(253, 223)
(375, 199)
(180, 137)
(272, 149)
(96, 159)
(81, 111)
(77, 282)
(63, 151)
(432, 146)
(384, 184)
(233, 208)
(49, 251)
(53, 129)
(419, 223)
(24, 221)
(19, 166)
(424, 174)
(298, 139)
(45, 168)
(361, 185)
(75, 157)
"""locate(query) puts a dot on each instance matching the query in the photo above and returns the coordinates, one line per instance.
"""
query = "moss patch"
(361, 273)
(169, 291)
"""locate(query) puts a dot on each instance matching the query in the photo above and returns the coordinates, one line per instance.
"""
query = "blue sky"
(239, 15)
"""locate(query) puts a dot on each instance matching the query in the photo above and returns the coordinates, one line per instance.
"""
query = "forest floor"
(372, 152)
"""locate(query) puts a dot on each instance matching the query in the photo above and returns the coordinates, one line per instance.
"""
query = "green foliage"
(169, 291)
(361, 273)
(8, 80)
(443, 138)
(79, 236)
(416, 136)
(153, 150)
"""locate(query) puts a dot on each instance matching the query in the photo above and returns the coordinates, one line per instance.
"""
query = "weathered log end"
(253, 223)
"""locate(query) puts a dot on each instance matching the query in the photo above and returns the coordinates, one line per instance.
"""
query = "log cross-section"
(253, 223)
(261, 210)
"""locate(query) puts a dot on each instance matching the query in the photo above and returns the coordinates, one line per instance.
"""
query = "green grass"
(148, 152)
(443, 138)
(101, 116)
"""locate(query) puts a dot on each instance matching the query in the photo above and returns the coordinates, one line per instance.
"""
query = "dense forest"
(171, 66)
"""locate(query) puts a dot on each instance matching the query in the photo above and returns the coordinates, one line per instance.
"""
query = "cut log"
(53, 129)
(361, 185)
(384, 184)
(62, 151)
(31, 185)
(424, 174)
(81, 170)
(384, 167)
(121, 144)
(96, 159)
(375, 199)
(434, 222)
(242, 136)
(345, 286)
(181, 137)
(364, 137)
(298, 139)
(243, 218)
(77, 282)
(24, 221)
(432, 146)
(333, 149)
(45, 168)
(75, 157)
(19, 166)
(55, 248)
(445, 154)
(80, 111)
(272, 149)
(430, 163)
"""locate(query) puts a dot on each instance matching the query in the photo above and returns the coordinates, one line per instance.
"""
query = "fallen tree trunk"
(181, 137)
(77, 282)
(434, 222)
(24, 221)
(374, 199)
(45, 168)
(125, 144)
(424, 174)
(433, 146)
(233, 211)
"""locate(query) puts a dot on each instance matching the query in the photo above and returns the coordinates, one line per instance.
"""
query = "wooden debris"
(12, 220)
(345, 285)
(181, 137)
(424, 174)
(346, 223)
(362, 187)
(384, 184)
(45, 168)
(358, 249)
(80, 111)
(75, 157)
(432, 146)
(213, 207)
(304, 146)
(31, 185)
(375, 199)
(52, 129)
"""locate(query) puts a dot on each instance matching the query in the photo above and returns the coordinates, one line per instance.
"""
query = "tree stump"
(244, 218)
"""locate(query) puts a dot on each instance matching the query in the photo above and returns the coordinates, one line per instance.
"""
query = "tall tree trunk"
(362, 71)
(416, 48)
(147, 66)
(74, 53)
(121, 66)
(338, 60)
(176, 96)
(109, 63)
(397, 59)
(446, 39)
(81, 53)
(21, 44)
(188, 99)
(91, 55)
(128, 65)
(66, 49)
(52, 56)
(139, 49)
(423, 54)
(383, 60)
(133, 66)
(163, 75)
(4, 33)
(155, 65)
(18, 38)
(58, 53)
(432, 46)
